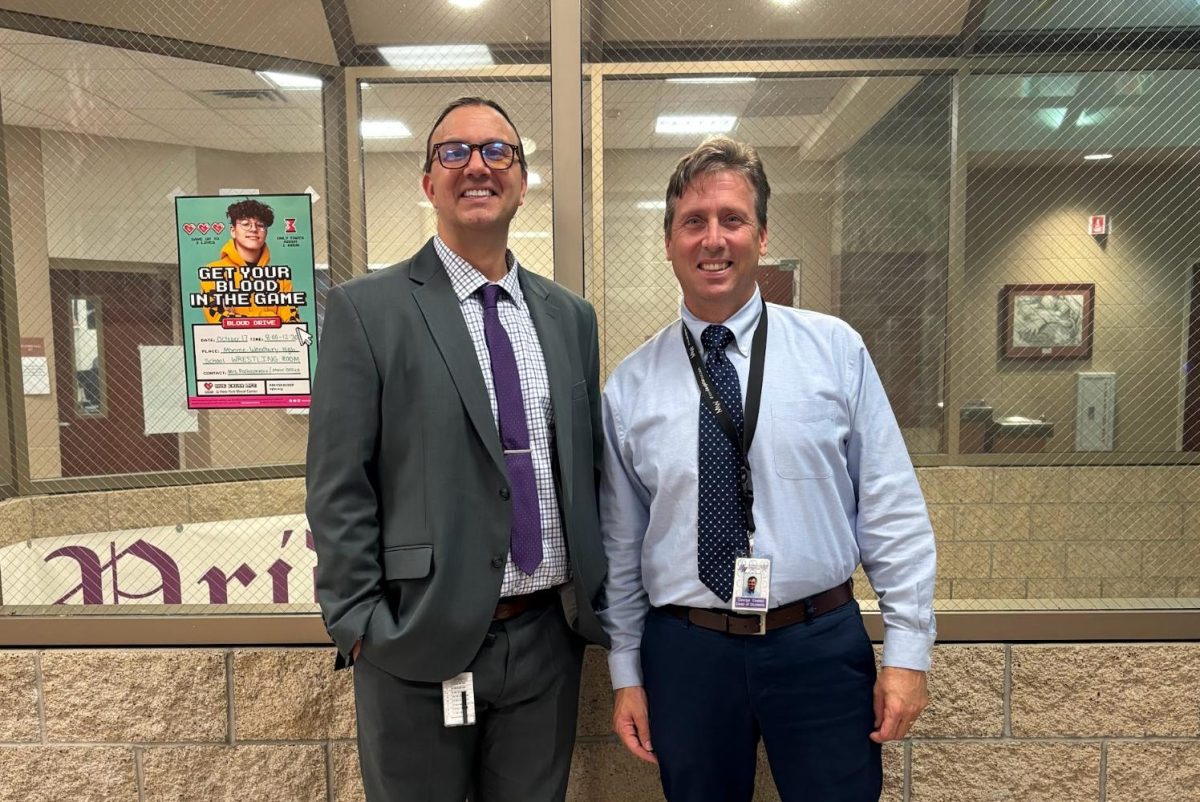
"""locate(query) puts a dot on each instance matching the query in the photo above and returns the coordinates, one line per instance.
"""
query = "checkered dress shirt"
(539, 413)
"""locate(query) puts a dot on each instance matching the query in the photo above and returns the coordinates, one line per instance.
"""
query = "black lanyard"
(758, 350)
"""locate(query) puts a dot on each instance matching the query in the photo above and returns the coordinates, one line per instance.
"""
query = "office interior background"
(998, 194)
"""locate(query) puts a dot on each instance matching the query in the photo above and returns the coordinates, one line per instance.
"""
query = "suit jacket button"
(504, 493)
(497, 562)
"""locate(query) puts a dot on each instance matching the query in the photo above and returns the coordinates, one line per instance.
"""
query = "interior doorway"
(1191, 387)
(101, 317)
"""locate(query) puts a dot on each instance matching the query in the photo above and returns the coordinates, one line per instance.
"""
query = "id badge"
(458, 700)
(751, 584)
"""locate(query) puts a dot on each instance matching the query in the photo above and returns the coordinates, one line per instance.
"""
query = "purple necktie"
(526, 544)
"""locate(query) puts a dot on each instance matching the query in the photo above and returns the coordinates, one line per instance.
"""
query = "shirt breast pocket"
(804, 438)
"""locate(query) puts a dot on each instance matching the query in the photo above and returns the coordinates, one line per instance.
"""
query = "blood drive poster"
(248, 295)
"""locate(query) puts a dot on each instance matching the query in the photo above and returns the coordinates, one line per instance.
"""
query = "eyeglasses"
(251, 225)
(455, 155)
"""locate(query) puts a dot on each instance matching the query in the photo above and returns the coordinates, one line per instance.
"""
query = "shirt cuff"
(903, 648)
(625, 668)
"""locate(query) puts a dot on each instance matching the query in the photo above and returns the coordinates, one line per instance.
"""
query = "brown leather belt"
(750, 624)
(512, 606)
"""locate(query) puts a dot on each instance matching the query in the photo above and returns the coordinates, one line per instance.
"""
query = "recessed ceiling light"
(290, 80)
(528, 145)
(653, 205)
(1096, 157)
(425, 204)
(535, 179)
(384, 129)
(437, 57)
(694, 124)
(715, 79)
(467, 4)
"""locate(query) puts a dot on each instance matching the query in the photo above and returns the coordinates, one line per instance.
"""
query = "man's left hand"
(900, 696)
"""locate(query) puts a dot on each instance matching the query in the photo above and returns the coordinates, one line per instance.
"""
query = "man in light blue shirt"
(798, 461)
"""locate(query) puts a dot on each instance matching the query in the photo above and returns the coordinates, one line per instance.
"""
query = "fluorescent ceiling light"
(467, 4)
(437, 57)
(715, 79)
(1096, 157)
(1090, 118)
(290, 80)
(1052, 117)
(425, 204)
(384, 129)
(653, 205)
(535, 179)
(694, 124)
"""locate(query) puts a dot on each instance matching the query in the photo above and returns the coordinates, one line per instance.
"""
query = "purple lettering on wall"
(279, 571)
(218, 583)
(107, 569)
(89, 571)
(282, 569)
(168, 571)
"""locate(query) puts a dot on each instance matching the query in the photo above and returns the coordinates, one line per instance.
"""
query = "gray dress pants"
(526, 676)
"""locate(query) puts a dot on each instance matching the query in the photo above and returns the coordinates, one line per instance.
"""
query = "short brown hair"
(473, 101)
(251, 210)
(713, 156)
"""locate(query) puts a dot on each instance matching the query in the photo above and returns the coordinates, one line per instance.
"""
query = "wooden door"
(100, 319)
(1191, 387)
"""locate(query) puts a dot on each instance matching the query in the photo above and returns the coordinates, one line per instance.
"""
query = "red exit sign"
(1098, 225)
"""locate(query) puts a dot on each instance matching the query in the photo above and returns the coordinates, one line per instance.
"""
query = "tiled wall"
(1029, 723)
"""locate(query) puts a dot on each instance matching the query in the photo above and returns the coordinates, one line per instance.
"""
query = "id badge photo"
(751, 585)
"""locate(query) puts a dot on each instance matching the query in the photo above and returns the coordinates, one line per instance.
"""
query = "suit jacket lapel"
(547, 319)
(443, 315)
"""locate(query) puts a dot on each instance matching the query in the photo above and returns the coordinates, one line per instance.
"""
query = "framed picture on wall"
(1047, 321)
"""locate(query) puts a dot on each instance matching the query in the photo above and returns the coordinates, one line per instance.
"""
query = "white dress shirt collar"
(742, 323)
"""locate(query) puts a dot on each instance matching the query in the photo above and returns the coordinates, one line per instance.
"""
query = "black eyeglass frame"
(517, 156)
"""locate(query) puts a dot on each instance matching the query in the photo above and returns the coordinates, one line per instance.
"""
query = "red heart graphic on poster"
(188, 228)
(208, 385)
(203, 227)
(218, 227)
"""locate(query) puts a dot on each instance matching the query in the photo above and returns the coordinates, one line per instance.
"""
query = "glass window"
(1080, 253)
(99, 142)
(859, 170)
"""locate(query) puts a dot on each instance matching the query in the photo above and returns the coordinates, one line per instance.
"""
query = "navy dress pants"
(806, 690)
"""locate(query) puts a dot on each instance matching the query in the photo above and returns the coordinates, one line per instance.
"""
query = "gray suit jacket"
(407, 489)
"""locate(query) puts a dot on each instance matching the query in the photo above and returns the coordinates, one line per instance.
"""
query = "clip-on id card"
(458, 700)
(751, 585)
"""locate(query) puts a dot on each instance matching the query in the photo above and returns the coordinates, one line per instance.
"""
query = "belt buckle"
(762, 624)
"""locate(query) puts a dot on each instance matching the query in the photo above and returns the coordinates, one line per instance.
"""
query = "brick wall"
(1093, 723)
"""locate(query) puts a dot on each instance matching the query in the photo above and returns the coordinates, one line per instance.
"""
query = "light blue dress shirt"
(833, 483)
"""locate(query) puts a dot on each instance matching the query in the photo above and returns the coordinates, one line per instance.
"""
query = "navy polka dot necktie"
(722, 518)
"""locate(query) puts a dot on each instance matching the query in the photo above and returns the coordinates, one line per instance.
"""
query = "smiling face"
(249, 235)
(475, 198)
(714, 244)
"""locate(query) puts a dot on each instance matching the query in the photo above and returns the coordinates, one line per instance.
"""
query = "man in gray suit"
(452, 463)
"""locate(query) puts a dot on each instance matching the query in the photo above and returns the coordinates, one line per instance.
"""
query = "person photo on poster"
(249, 221)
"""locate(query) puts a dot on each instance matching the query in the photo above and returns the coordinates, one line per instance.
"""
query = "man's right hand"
(631, 722)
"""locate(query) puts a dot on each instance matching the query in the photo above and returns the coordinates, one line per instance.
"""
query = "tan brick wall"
(1065, 532)
(1025, 723)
